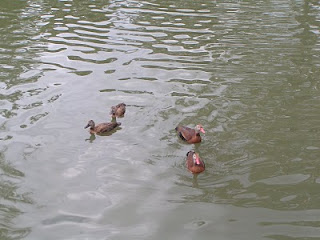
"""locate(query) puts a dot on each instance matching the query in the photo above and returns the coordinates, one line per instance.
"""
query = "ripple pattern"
(247, 71)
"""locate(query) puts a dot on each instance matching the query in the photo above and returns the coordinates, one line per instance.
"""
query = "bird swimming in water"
(118, 110)
(101, 127)
(190, 135)
(194, 163)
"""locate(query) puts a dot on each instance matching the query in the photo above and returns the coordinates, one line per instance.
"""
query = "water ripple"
(247, 72)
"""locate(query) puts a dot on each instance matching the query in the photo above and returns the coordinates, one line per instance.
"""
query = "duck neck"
(113, 119)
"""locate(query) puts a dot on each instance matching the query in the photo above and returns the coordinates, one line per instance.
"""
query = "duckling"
(190, 135)
(101, 127)
(194, 163)
(118, 110)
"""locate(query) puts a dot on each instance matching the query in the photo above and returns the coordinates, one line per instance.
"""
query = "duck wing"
(106, 127)
(185, 133)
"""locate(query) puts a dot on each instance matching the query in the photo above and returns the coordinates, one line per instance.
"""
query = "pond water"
(248, 71)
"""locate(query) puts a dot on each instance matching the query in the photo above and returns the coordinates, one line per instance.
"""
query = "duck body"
(190, 135)
(118, 110)
(101, 127)
(194, 163)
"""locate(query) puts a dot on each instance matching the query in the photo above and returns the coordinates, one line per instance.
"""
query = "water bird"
(190, 135)
(101, 127)
(194, 163)
(118, 110)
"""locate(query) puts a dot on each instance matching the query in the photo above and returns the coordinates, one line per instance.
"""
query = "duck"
(194, 164)
(101, 127)
(190, 135)
(118, 110)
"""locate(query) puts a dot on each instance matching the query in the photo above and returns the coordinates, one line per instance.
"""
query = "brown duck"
(101, 127)
(190, 135)
(194, 163)
(118, 110)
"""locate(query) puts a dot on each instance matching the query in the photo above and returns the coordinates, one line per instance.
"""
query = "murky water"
(248, 71)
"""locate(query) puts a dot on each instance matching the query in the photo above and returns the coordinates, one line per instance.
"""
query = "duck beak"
(202, 130)
(197, 160)
(88, 125)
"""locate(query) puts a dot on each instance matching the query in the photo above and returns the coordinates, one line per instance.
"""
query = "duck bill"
(88, 125)
(198, 160)
(202, 130)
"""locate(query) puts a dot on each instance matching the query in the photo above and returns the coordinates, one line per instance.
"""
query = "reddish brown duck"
(101, 127)
(194, 163)
(118, 110)
(190, 135)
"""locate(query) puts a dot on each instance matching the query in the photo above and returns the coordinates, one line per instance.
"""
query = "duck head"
(199, 128)
(90, 124)
(118, 109)
(113, 111)
(195, 157)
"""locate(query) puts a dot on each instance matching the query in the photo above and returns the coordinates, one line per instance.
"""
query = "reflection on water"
(91, 138)
(247, 71)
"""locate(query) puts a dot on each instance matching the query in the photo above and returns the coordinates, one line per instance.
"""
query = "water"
(248, 71)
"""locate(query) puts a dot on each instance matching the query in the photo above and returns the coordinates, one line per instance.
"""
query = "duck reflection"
(93, 136)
